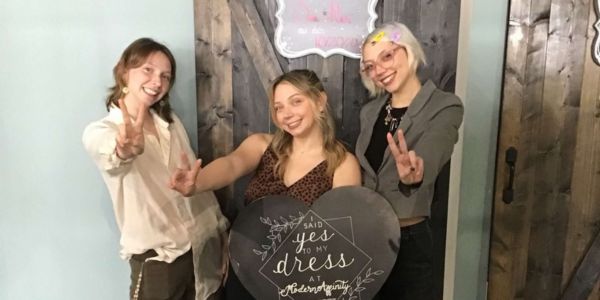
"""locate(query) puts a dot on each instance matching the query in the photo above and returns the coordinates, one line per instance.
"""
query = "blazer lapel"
(412, 112)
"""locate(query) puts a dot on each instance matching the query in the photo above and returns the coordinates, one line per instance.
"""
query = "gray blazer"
(430, 127)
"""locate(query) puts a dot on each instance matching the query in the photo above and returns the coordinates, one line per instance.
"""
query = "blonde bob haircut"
(398, 34)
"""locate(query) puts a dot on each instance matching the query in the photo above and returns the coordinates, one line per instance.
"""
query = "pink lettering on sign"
(306, 14)
(333, 13)
(328, 42)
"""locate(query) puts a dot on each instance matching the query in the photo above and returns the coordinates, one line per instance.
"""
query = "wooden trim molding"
(596, 43)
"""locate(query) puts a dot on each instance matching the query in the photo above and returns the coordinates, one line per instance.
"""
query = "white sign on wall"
(323, 27)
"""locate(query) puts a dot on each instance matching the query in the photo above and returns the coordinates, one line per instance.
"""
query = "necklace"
(390, 120)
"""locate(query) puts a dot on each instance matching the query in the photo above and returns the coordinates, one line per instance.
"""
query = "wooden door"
(551, 116)
(236, 62)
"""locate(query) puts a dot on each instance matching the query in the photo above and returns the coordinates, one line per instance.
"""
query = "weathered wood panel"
(266, 10)
(532, 253)
(354, 96)
(331, 72)
(584, 212)
(508, 228)
(555, 147)
(254, 63)
(250, 110)
(586, 276)
(212, 20)
(255, 38)
(531, 117)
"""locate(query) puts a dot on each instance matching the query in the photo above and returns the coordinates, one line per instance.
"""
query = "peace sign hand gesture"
(408, 164)
(183, 179)
(130, 139)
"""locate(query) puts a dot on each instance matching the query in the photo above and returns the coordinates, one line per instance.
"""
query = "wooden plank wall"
(550, 114)
(212, 21)
(228, 31)
(236, 63)
(584, 210)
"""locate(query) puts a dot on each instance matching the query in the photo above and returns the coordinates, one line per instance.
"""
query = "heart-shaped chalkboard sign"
(342, 247)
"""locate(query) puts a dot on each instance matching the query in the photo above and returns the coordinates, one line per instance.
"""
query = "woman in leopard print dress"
(302, 159)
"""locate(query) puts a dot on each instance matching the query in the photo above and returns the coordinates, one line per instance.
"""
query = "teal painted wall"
(58, 237)
(482, 61)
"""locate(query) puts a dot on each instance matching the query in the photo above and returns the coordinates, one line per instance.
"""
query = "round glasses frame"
(384, 60)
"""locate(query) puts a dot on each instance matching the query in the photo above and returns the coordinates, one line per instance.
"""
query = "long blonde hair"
(309, 84)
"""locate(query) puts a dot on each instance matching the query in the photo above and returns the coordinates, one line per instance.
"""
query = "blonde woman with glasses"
(407, 135)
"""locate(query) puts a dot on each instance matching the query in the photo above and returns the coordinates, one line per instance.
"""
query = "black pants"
(161, 280)
(234, 290)
(411, 278)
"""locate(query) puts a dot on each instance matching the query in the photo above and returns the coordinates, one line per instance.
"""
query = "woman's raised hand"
(130, 139)
(408, 164)
(183, 179)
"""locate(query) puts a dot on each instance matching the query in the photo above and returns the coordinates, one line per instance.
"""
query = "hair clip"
(379, 36)
(396, 36)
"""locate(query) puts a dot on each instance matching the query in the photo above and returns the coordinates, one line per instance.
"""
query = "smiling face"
(387, 65)
(295, 112)
(149, 82)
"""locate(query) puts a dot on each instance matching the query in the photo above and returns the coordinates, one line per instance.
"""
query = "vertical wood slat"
(534, 18)
(251, 105)
(584, 218)
(354, 96)
(509, 219)
(330, 71)
(298, 63)
(250, 110)
(255, 37)
(429, 26)
(531, 117)
(448, 50)
(392, 11)
(438, 33)
(586, 276)
(266, 10)
(214, 81)
(555, 146)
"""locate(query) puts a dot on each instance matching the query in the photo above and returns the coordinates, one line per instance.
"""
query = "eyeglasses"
(385, 60)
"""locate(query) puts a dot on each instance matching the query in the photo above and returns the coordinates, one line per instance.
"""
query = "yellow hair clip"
(379, 36)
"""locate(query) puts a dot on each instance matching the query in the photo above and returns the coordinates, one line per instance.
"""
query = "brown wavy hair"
(134, 56)
(309, 84)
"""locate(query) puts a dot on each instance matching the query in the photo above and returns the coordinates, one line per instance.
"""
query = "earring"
(125, 90)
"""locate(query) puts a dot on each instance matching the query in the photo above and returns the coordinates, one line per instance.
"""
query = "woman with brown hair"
(136, 147)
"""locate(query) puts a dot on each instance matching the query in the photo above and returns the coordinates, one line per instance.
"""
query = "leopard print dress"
(306, 189)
